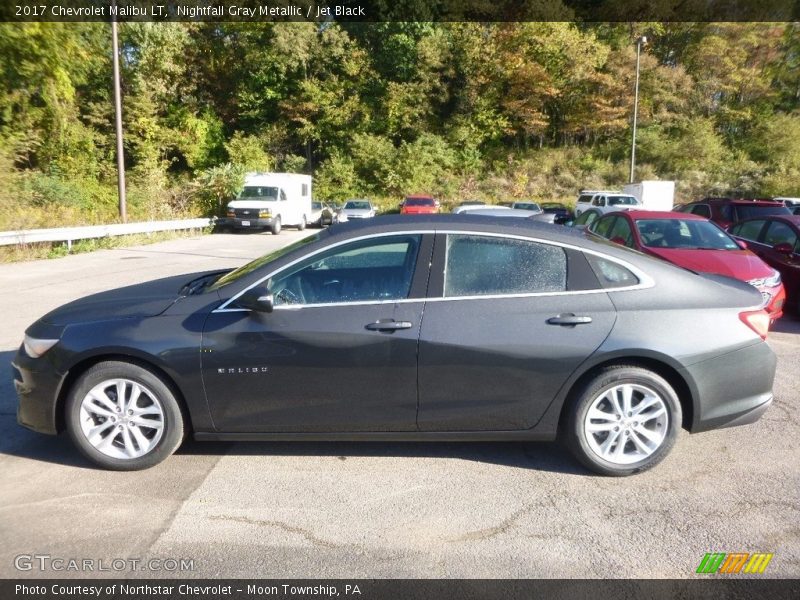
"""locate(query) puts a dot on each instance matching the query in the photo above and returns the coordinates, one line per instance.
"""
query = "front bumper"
(37, 386)
(246, 223)
(732, 389)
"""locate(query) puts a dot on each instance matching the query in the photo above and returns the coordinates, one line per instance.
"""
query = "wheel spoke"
(123, 405)
(101, 397)
(135, 392)
(130, 449)
(94, 408)
(95, 434)
(651, 436)
(653, 415)
(640, 445)
(141, 440)
(627, 395)
(595, 414)
(149, 423)
(647, 402)
(600, 427)
(606, 446)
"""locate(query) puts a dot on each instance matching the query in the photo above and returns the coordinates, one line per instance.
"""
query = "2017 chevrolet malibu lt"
(441, 327)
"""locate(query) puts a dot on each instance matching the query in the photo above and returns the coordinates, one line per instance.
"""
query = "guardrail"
(70, 234)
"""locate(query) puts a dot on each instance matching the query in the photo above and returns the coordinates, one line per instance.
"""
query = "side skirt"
(381, 436)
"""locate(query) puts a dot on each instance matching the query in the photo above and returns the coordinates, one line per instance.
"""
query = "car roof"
(419, 197)
(659, 214)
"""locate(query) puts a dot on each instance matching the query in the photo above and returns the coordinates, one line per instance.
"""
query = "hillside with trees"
(463, 110)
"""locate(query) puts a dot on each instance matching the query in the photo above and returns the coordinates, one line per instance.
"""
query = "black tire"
(276, 226)
(577, 438)
(173, 418)
(302, 224)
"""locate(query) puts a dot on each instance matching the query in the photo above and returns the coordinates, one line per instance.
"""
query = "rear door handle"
(389, 325)
(569, 320)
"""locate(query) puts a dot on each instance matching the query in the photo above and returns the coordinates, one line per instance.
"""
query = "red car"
(696, 244)
(727, 211)
(776, 240)
(419, 205)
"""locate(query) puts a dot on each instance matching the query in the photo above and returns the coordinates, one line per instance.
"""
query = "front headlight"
(35, 347)
(774, 280)
(264, 213)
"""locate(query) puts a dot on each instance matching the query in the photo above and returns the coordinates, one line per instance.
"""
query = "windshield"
(237, 274)
(622, 200)
(358, 205)
(258, 192)
(685, 234)
(316, 205)
(553, 206)
(419, 202)
(526, 206)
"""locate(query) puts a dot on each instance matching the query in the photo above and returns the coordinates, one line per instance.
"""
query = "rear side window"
(484, 266)
(603, 226)
(304, 190)
(746, 212)
(611, 274)
(584, 198)
(748, 230)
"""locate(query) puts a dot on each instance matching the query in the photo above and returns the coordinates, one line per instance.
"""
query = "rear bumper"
(732, 389)
(37, 391)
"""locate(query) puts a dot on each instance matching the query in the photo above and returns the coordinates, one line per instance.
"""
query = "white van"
(654, 195)
(271, 200)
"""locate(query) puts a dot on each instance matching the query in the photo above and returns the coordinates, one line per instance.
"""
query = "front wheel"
(302, 224)
(276, 226)
(123, 417)
(623, 421)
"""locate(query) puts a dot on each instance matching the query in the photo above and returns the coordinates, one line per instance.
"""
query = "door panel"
(312, 369)
(496, 364)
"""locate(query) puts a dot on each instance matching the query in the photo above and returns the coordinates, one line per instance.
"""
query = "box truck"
(653, 195)
(271, 201)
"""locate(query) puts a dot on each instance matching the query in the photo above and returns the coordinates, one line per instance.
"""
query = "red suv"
(419, 205)
(727, 211)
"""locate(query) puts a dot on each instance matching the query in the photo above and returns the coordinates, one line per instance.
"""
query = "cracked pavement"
(396, 510)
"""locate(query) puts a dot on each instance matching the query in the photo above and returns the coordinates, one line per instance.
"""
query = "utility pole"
(123, 213)
(640, 41)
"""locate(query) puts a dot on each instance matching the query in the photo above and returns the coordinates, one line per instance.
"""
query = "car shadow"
(789, 323)
(18, 441)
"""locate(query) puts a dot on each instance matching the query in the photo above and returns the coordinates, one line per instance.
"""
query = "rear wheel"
(123, 417)
(623, 421)
(302, 224)
(276, 226)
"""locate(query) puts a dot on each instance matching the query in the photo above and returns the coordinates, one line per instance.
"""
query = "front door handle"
(569, 320)
(389, 325)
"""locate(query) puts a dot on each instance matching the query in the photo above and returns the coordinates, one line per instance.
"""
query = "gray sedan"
(357, 209)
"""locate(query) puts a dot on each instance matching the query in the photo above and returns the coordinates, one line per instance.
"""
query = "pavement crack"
(304, 533)
(490, 532)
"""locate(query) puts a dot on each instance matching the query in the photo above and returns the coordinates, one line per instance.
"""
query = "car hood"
(141, 300)
(739, 264)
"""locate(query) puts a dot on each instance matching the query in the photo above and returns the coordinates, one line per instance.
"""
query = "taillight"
(757, 320)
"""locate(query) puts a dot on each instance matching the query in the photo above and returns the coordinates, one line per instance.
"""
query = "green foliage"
(491, 110)
(218, 185)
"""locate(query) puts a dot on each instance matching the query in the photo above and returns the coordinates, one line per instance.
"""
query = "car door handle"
(569, 320)
(389, 325)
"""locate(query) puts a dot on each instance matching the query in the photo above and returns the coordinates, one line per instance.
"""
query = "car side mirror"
(784, 248)
(742, 244)
(257, 299)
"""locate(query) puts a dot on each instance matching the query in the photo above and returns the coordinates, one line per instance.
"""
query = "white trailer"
(653, 195)
(271, 200)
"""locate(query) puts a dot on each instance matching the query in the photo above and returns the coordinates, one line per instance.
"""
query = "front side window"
(622, 231)
(283, 195)
(603, 226)
(702, 210)
(599, 201)
(376, 269)
(684, 233)
(483, 266)
(586, 219)
(622, 201)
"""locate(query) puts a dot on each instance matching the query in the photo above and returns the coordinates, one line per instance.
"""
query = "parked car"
(560, 212)
(609, 202)
(694, 243)
(796, 210)
(469, 205)
(532, 207)
(790, 203)
(322, 214)
(727, 211)
(776, 240)
(419, 205)
(324, 339)
(585, 219)
(504, 211)
(584, 201)
(356, 209)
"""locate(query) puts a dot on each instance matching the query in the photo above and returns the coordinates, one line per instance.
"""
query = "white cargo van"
(654, 195)
(271, 200)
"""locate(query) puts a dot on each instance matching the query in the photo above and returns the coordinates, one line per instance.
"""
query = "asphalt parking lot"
(384, 510)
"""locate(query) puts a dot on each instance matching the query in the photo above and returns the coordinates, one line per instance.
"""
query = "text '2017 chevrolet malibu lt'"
(446, 327)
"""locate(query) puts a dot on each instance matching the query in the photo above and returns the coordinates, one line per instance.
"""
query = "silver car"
(357, 209)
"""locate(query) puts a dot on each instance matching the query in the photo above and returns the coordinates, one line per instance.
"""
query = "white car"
(607, 202)
(356, 209)
(468, 205)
